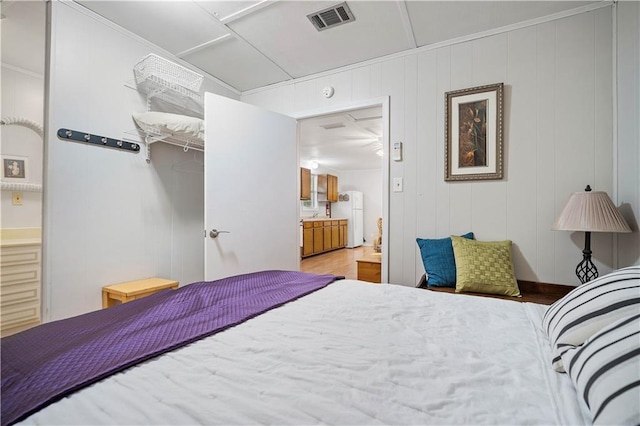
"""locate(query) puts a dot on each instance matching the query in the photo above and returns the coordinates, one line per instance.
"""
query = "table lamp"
(590, 211)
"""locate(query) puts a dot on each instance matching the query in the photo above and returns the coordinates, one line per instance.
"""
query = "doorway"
(21, 126)
(350, 142)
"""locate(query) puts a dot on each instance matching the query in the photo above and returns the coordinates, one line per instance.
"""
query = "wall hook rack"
(84, 137)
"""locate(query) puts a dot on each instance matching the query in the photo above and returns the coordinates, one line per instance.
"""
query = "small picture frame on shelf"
(14, 168)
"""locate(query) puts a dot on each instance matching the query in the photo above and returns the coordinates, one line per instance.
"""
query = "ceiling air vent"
(331, 17)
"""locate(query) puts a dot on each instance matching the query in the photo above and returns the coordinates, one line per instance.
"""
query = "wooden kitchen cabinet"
(335, 234)
(321, 235)
(332, 188)
(307, 239)
(305, 184)
(326, 228)
(342, 233)
(318, 237)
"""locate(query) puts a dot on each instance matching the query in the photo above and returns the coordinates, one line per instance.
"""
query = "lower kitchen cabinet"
(307, 239)
(335, 234)
(326, 235)
(342, 233)
(320, 236)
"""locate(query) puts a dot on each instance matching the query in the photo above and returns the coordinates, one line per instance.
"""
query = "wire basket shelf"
(166, 73)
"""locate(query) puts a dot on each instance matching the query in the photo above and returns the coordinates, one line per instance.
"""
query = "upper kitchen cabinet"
(327, 188)
(332, 188)
(305, 184)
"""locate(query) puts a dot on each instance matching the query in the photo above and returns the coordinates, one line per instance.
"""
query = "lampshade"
(590, 212)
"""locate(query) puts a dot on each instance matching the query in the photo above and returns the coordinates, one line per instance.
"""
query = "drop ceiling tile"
(173, 25)
(283, 32)
(224, 9)
(437, 21)
(237, 64)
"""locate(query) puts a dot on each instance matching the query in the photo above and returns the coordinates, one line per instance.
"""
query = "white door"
(251, 189)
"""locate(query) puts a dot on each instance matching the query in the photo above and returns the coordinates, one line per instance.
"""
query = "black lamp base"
(586, 270)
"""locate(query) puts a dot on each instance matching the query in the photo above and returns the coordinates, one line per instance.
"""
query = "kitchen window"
(312, 204)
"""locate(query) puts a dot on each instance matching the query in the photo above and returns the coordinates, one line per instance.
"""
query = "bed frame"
(532, 291)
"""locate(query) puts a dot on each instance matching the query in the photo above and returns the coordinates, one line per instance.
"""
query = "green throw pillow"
(484, 267)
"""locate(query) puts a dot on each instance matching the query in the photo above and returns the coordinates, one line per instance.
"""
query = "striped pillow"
(606, 372)
(589, 308)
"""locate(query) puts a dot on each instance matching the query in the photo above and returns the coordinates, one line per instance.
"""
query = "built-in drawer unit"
(20, 285)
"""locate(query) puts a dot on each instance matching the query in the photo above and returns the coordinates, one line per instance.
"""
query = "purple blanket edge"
(46, 363)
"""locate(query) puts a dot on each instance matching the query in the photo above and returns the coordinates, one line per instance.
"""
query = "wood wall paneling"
(410, 162)
(158, 206)
(628, 128)
(392, 79)
(545, 66)
(557, 82)
(427, 145)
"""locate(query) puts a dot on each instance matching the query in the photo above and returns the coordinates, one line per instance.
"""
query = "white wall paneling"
(545, 157)
(627, 178)
(109, 216)
(558, 138)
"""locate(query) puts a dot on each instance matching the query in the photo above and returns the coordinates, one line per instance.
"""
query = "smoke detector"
(331, 17)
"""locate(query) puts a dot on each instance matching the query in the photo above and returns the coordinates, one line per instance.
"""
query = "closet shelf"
(153, 134)
(159, 78)
(155, 87)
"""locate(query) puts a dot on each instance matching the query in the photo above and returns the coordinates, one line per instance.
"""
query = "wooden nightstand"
(132, 290)
(369, 268)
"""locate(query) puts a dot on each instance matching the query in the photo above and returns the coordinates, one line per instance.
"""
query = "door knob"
(214, 233)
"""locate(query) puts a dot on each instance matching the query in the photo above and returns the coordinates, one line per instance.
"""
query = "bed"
(343, 352)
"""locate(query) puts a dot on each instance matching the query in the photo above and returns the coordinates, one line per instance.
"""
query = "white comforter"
(352, 353)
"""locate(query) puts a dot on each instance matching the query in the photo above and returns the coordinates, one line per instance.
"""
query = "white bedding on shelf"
(352, 353)
(171, 124)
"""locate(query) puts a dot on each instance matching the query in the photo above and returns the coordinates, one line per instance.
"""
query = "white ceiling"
(343, 142)
(251, 44)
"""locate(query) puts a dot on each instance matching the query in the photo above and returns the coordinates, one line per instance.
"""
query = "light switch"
(397, 184)
(16, 198)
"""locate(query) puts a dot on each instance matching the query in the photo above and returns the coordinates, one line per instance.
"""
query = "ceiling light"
(314, 165)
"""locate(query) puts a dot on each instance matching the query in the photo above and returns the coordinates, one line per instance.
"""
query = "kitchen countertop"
(316, 219)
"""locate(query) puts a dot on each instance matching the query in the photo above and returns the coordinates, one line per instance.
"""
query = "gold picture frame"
(474, 133)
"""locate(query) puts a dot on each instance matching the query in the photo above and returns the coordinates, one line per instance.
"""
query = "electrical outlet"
(397, 184)
(16, 198)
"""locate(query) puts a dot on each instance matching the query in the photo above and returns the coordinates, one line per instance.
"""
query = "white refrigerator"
(349, 206)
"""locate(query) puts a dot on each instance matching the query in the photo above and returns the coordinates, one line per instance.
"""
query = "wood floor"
(337, 262)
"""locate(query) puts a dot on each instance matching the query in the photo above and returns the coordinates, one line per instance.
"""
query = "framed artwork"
(473, 133)
(14, 168)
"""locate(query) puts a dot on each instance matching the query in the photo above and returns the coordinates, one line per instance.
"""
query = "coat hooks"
(84, 137)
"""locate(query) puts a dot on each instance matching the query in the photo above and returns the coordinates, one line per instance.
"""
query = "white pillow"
(176, 124)
(589, 308)
(606, 372)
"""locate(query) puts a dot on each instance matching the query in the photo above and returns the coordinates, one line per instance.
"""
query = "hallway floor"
(337, 262)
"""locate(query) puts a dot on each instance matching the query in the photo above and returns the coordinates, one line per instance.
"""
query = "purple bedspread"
(47, 362)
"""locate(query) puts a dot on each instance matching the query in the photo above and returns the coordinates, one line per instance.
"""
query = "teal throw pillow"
(439, 261)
